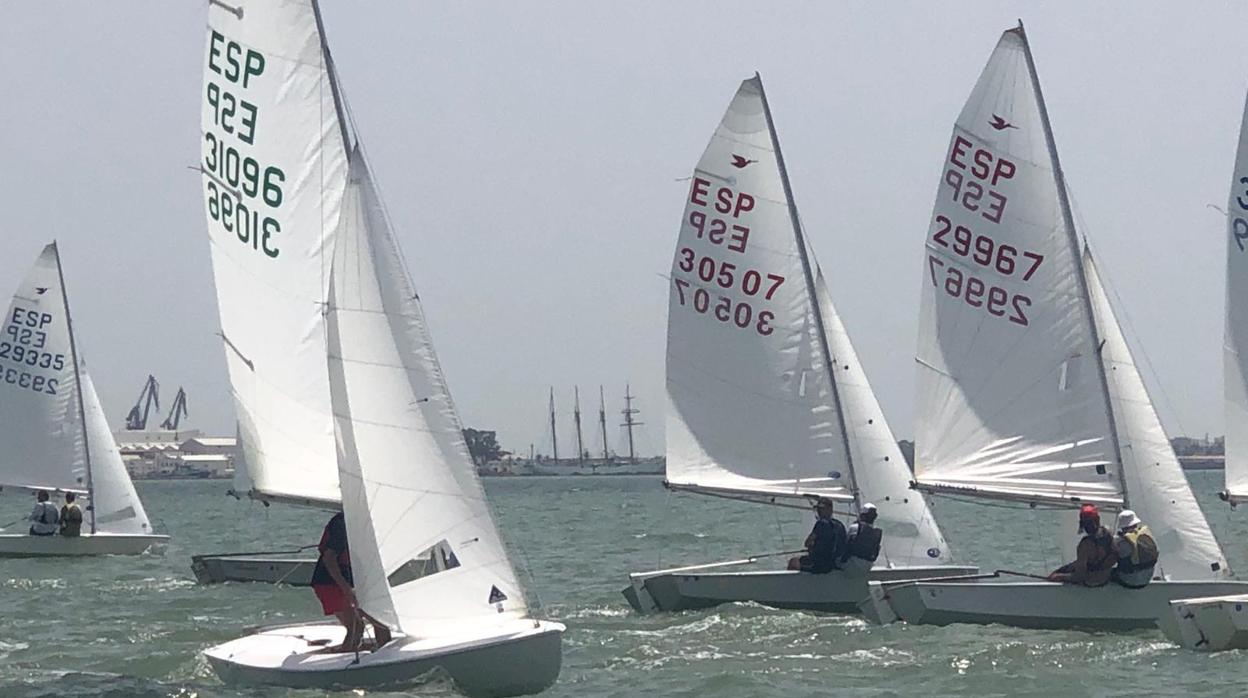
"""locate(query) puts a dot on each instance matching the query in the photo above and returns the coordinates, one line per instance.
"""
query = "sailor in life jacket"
(1136, 550)
(1094, 557)
(44, 516)
(864, 542)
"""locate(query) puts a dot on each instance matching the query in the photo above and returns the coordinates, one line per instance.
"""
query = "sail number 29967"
(975, 292)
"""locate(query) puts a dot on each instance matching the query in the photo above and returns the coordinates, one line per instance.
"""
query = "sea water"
(134, 626)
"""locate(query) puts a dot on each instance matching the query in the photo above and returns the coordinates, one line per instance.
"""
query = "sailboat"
(426, 556)
(767, 401)
(1216, 623)
(1028, 393)
(54, 430)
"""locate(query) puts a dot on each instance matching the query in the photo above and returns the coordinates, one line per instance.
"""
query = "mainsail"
(1011, 401)
(274, 169)
(1235, 342)
(40, 414)
(750, 405)
(424, 548)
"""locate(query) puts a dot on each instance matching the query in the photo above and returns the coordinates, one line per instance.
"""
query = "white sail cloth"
(51, 420)
(750, 408)
(274, 168)
(425, 552)
(40, 420)
(1235, 342)
(116, 505)
(1157, 489)
(1010, 401)
(911, 535)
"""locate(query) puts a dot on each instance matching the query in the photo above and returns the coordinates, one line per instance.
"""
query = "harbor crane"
(148, 397)
(177, 412)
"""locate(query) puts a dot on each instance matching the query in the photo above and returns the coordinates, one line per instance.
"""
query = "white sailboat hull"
(24, 545)
(515, 656)
(1209, 624)
(1044, 605)
(834, 592)
(215, 569)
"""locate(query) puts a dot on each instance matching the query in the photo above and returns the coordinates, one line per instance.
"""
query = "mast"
(576, 415)
(1077, 256)
(554, 433)
(82, 412)
(602, 423)
(629, 422)
(332, 72)
(829, 366)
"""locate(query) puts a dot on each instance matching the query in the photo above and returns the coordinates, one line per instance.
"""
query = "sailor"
(332, 583)
(43, 515)
(1094, 557)
(1136, 550)
(826, 543)
(863, 546)
(71, 517)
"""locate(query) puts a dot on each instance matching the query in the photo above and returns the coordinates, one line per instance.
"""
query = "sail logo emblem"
(1000, 124)
(41, 290)
(740, 161)
(497, 596)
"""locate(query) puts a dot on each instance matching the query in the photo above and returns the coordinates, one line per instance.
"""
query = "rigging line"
(1121, 309)
(1000, 504)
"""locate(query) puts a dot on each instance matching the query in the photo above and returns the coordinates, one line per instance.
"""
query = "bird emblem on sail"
(740, 161)
(41, 290)
(1000, 124)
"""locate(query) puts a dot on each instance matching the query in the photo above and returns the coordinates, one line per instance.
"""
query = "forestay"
(41, 421)
(425, 552)
(750, 405)
(1157, 489)
(1235, 347)
(274, 169)
(911, 534)
(1011, 402)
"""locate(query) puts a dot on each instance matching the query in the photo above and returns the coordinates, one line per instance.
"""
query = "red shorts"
(331, 597)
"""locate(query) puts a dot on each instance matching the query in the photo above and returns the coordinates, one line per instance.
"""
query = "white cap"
(866, 507)
(1127, 519)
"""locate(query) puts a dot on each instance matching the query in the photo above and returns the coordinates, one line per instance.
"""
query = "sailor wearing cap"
(1094, 557)
(826, 543)
(1136, 550)
(864, 542)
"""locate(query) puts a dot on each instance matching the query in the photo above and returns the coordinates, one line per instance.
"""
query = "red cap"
(1088, 511)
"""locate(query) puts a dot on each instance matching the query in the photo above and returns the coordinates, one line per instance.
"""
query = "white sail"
(911, 534)
(1157, 490)
(1011, 402)
(115, 504)
(1235, 342)
(750, 406)
(41, 422)
(425, 553)
(274, 169)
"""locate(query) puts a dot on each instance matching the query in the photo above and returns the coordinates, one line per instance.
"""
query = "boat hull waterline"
(216, 569)
(513, 657)
(25, 545)
(1044, 605)
(834, 592)
(1209, 624)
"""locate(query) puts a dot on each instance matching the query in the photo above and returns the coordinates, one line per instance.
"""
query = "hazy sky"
(529, 152)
